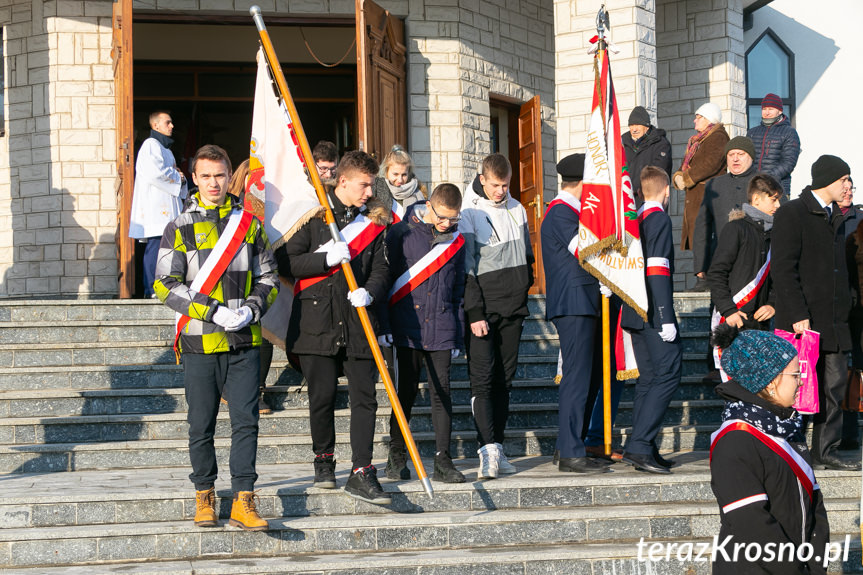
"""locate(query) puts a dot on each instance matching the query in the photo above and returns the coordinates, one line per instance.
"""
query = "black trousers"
(322, 374)
(491, 363)
(205, 377)
(409, 362)
(832, 371)
(659, 368)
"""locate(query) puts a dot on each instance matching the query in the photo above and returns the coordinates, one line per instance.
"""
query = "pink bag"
(806, 345)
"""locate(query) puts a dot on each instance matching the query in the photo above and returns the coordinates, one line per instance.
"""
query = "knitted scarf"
(401, 193)
(693, 144)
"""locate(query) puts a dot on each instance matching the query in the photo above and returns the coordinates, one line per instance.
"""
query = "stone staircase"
(94, 465)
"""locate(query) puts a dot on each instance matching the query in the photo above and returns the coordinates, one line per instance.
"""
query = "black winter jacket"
(721, 195)
(809, 272)
(651, 149)
(742, 466)
(431, 317)
(323, 321)
(777, 148)
(740, 254)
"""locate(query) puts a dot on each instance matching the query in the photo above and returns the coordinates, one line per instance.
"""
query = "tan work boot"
(263, 408)
(205, 508)
(244, 515)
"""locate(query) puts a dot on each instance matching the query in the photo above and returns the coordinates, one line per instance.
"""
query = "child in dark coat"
(761, 471)
(426, 255)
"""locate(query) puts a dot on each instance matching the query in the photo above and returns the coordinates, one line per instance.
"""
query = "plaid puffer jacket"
(249, 280)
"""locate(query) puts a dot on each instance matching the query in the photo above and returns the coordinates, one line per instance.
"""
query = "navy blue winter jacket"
(777, 148)
(431, 317)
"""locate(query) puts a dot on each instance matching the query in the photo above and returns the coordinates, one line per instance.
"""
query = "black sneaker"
(445, 471)
(363, 485)
(325, 471)
(397, 464)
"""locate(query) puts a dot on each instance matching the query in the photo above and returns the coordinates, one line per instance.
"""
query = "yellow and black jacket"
(249, 280)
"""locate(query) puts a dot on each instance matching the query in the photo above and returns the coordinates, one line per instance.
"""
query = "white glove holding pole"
(605, 290)
(244, 318)
(225, 317)
(338, 253)
(360, 297)
(385, 340)
(668, 332)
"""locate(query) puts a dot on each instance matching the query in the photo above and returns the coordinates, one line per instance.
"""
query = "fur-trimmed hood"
(374, 209)
(736, 214)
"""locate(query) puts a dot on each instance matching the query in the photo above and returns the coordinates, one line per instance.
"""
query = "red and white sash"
(565, 199)
(427, 265)
(398, 212)
(358, 234)
(795, 461)
(746, 294)
(643, 213)
(216, 263)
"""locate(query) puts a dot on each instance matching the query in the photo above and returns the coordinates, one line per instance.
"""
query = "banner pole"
(297, 128)
(606, 377)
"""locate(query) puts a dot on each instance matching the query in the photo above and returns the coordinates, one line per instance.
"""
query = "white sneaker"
(488, 462)
(503, 465)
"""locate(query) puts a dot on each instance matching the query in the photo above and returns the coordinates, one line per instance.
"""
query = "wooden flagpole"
(601, 22)
(285, 93)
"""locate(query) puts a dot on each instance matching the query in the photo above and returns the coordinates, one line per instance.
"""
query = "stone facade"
(57, 159)
(700, 58)
(57, 170)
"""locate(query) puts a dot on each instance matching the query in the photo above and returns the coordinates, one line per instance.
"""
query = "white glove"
(668, 332)
(225, 317)
(337, 253)
(385, 340)
(605, 290)
(360, 297)
(454, 353)
(244, 317)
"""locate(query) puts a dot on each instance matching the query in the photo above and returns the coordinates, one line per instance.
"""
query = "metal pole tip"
(255, 10)
(427, 485)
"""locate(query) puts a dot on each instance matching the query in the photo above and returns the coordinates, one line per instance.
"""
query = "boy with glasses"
(326, 158)
(426, 255)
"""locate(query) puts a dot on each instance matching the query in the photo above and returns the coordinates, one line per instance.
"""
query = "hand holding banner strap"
(303, 144)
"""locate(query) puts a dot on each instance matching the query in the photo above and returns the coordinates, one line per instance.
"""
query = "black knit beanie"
(741, 143)
(827, 169)
(639, 117)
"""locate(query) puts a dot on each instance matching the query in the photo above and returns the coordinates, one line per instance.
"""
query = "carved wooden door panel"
(381, 74)
(530, 177)
(121, 54)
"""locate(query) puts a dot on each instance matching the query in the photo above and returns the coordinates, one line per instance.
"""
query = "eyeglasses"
(454, 220)
(794, 374)
(325, 169)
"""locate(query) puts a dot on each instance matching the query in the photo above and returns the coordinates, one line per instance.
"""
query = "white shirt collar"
(648, 204)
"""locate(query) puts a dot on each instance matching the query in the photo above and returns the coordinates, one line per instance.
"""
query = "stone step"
(376, 532)
(149, 453)
(165, 494)
(295, 421)
(586, 558)
(58, 402)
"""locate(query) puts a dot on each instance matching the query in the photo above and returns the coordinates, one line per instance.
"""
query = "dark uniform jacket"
(569, 289)
(809, 271)
(721, 195)
(777, 148)
(658, 246)
(431, 317)
(323, 321)
(742, 251)
(651, 149)
(742, 466)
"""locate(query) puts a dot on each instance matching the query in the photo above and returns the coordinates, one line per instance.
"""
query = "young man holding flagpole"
(216, 270)
(325, 331)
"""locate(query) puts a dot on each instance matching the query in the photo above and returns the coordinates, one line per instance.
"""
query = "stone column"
(633, 68)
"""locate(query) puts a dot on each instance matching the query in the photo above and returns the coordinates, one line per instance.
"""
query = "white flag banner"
(278, 185)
